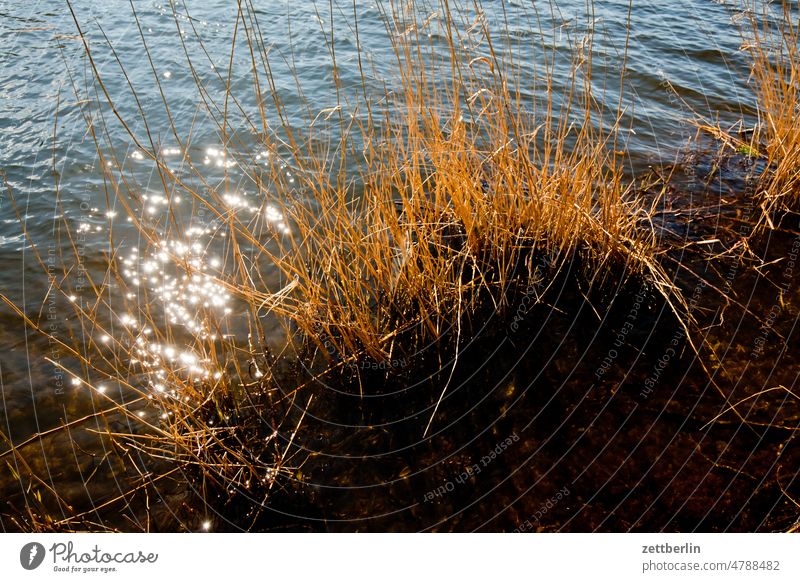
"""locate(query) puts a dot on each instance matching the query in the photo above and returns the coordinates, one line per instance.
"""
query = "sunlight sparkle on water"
(179, 282)
(185, 298)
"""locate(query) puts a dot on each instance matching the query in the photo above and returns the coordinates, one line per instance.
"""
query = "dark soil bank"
(583, 415)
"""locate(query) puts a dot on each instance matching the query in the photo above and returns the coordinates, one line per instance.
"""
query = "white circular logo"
(31, 555)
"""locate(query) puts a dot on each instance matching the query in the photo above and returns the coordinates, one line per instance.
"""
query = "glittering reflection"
(276, 217)
(175, 275)
(181, 307)
(177, 323)
(218, 158)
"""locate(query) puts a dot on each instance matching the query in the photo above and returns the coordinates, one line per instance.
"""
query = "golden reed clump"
(460, 188)
(773, 41)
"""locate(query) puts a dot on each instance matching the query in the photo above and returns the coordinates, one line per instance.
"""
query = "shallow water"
(683, 61)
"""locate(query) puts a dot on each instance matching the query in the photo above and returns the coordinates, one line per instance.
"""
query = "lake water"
(683, 62)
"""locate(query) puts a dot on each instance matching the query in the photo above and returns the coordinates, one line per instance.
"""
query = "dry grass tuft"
(461, 188)
(774, 45)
